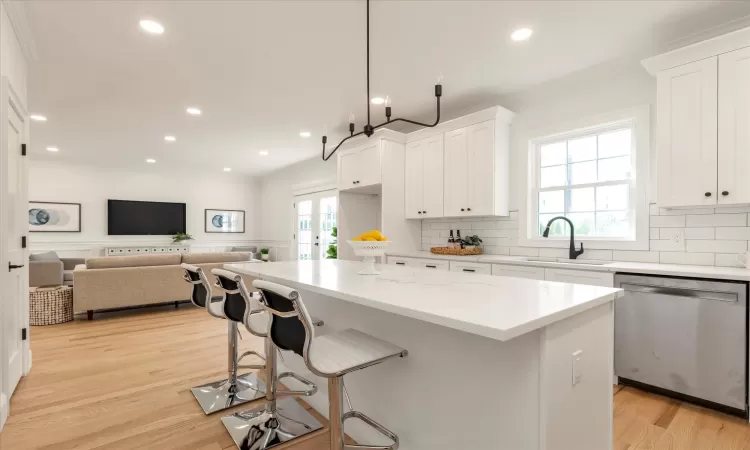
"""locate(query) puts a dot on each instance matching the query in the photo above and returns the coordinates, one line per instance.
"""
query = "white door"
(734, 127)
(687, 134)
(414, 183)
(481, 169)
(315, 220)
(432, 205)
(456, 172)
(13, 228)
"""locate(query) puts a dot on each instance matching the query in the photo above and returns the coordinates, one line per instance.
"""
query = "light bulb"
(440, 78)
(351, 118)
(387, 101)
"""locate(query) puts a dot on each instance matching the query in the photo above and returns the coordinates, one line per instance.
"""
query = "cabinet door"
(532, 273)
(432, 205)
(605, 279)
(368, 161)
(456, 173)
(734, 127)
(687, 134)
(414, 186)
(481, 169)
(348, 164)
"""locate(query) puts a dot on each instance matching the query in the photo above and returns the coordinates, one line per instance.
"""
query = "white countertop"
(721, 273)
(500, 308)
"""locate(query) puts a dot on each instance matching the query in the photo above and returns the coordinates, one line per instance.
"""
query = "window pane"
(614, 169)
(583, 149)
(553, 176)
(612, 224)
(581, 173)
(558, 228)
(552, 202)
(615, 143)
(553, 154)
(610, 198)
(582, 199)
(584, 223)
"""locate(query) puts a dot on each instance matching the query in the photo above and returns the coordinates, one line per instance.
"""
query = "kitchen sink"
(568, 261)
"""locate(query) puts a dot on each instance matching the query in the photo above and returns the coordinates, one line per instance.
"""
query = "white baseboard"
(4, 410)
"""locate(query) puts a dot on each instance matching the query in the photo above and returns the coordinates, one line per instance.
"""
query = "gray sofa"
(48, 269)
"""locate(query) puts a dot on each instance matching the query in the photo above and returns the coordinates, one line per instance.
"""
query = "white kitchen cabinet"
(471, 267)
(424, 178)
(360, 167)
(435, 264)
(605, 279)
(734, 127)
(396, 261)
(456, 173)
(506, 270)
(687, 134)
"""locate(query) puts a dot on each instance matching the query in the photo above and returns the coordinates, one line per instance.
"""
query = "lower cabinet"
(532, 273)
(470, 267)
(436, 264)
(606, 279)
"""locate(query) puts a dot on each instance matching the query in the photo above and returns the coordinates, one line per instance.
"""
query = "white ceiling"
(263, 71)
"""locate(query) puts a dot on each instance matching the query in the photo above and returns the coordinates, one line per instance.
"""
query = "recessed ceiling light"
(170, 138)
(53, 149)
(193, 111)
(151, 26)
(37, 118)
(263, 152)
(377, 100)
(305, 133)
(227, 169)
(150, 161)
(521, 34)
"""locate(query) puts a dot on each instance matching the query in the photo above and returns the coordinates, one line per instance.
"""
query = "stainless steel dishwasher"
(684, 338)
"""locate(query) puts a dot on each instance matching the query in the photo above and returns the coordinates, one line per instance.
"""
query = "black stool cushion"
(199, 291)
(287, 333)
(234, 304)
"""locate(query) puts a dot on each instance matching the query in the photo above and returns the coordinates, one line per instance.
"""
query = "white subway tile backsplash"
(742, 233)
(439, 226)
(732, 209)
(672, 234)
(666, 246)
(653, 209)
(553, 253)
(496, 250)
(635, 256)
(497, 233)
(654, 233)
(728, 260)
(717, 220)
(683, 212)
(431, 233)
(694, 259)
(426, 239)
(524, 251)
(603, 255)
(709, 246)
(668, 221)
(513, 224)
(700, 233)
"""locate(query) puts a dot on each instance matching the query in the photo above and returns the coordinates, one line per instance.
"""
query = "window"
(590, 177)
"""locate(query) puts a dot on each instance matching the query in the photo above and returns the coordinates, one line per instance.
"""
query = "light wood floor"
(123, 382)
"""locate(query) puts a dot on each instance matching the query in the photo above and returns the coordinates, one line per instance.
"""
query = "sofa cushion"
(203, 258)
(114, 262)
(47, 256)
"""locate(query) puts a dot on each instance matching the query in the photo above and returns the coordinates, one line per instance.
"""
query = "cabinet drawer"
(580, 277)
(458, 266)
(532, 273)
(396, 261)
(431, 264)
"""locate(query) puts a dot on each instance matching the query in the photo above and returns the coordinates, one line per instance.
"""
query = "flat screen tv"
(131, 218)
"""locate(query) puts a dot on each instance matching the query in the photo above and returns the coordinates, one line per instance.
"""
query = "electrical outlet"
(577, 369)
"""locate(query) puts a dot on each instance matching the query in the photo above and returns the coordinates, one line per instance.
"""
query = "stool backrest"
(201, 288)
(235, 305)
(291, 326)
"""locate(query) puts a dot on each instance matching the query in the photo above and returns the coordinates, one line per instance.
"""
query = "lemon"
(357, 239)
(369, 239)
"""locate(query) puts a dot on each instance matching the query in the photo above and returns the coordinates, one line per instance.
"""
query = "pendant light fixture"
(369, 129)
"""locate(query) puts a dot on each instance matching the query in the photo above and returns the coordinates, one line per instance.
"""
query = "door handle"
(316, 244)
(13, 266)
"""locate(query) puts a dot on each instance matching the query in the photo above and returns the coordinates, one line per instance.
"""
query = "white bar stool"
(236, 389)
(331, 356)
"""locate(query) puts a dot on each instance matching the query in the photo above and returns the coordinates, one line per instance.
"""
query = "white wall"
(277, 196)
(12, 59)
(93, 186)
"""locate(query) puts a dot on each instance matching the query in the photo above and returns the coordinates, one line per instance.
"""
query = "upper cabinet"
(360, 167)
(469, 184)
(703, 122)
(424, 178)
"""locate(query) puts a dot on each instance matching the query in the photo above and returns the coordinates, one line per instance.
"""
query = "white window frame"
(639, 119)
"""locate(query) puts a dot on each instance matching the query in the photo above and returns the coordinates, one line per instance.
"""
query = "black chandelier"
(369, 129)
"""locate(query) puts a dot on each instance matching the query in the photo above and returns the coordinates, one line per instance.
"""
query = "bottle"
(451, 241)
(459, 244)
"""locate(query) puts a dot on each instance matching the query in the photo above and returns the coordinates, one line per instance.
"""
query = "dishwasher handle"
(729, 297)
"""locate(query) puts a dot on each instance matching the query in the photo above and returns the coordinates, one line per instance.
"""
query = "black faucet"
(573, 253)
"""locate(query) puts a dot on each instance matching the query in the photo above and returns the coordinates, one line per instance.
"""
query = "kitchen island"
(494, 362)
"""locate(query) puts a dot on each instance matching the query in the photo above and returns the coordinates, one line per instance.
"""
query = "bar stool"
(331, 356)
(281, 419)
(236, 389)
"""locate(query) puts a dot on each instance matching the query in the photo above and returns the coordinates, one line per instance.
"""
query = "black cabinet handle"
(725, 193)
(462, 209)
(468, 209)
(469, 270)
(431, 267)
(419, 212)
(13, 266)
(400, 264)
(424, 212)
(707, 194)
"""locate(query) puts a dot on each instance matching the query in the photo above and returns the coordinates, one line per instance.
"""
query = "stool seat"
(339, 353)
(216, 306)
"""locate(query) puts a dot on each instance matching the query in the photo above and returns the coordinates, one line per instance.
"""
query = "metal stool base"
(221, 395)
(259, 429)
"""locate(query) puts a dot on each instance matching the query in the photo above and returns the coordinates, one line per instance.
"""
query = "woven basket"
(50, 306)
(456, 251)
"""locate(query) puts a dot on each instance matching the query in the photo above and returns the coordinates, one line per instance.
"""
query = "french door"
(13, 254)
(314, 220)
